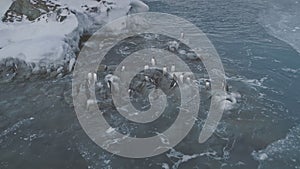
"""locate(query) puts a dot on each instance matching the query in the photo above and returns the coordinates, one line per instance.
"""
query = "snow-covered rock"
(44, 35)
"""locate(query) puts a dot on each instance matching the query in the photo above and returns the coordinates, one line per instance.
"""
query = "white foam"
(285, 151)
(182, 158)
(291, 70)
(251, 82)
(15, 126)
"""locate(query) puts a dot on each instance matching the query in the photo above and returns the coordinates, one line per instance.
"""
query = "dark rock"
(32, 11)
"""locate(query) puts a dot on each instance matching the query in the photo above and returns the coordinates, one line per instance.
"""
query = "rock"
(192, 56)
(36, 70)
(53, 74)
(31, 9)
(173, 46)
(102, 68)
(182, 52)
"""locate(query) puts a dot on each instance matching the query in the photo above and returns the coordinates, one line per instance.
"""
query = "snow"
(36, 41)
(52, 39)
(4, 5)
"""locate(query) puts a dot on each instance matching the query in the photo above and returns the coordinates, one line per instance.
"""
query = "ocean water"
(257, 42)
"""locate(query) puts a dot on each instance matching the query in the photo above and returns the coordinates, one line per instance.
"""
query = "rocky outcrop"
(30, 9)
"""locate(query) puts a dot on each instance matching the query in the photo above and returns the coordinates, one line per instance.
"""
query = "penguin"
(165, 70)
(207, 84)
(112, 82)
(181, 35)
(173, 68)
(92, 78)
(188, 80)
(146, 67)
(173, 83)
(181, 78)
(153, 61)
(123, 68)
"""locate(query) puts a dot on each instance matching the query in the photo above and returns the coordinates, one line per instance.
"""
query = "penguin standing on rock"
(153, 61)
(173, 82)
(146, 67)
(188, 80)
(15, 68)
(92, 78)
(91, 81)
(112, 82)
(165, 70)
(207, 84)
(181, 78)
(123, 68)
(108, 9)
(173, 68)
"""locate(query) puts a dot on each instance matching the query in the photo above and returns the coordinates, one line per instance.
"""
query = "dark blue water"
(246, 33)
(39, 128)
